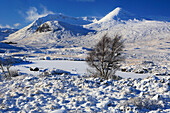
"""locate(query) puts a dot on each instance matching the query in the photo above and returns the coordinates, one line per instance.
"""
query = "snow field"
(74, 67)
(70, 93)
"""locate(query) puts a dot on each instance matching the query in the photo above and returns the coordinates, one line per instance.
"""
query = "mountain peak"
(111, 15)
(116, 11)
(118, 14)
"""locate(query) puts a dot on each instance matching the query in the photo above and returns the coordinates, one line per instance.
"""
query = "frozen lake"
(75, 67)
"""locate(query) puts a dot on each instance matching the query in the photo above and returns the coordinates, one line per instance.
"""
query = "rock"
(34, 69)
(62, 110)
(123, 70)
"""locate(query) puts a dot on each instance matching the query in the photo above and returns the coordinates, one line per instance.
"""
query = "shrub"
(106, 56)
(141, 103)
(6, 63)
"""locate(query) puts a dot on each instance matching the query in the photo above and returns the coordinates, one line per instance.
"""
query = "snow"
(110, 16)
(66, 86)
(144, 39)
(134, 31)
(62, 18)
(74, 67)
(4, 32)
(78, 67)
(77, 92)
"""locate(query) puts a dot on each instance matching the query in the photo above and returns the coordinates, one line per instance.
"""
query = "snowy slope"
(117, 16)
(4, 32)
(55, 30)
(7, 47)
(144, 40)
(51, 29)
(52, 92)
(48, 34)
(64, 18)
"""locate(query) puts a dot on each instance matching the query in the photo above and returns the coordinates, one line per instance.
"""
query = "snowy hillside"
(60, 30)
(48, 34)
(144, 39)
(7, 47)
(4, 32)
(51, 76)
(72, 90)
(118, 14)
(49, 31)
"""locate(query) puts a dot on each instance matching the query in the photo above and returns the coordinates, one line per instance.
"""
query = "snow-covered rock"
(147, 67)
(68, 93)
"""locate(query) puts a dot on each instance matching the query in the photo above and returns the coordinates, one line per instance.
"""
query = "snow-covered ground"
(74, 67)
(66, 86)
(77, 92)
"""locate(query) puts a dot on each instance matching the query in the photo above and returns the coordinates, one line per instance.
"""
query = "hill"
(145, 39)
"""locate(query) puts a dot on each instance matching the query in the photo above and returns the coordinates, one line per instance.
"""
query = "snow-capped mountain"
(58, 17)
(57, 30)
(49, 31)
(4, 32)
(118, 14)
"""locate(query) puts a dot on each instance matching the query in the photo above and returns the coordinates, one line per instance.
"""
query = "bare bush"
(106, 56)
(5, 64)
(142, 103)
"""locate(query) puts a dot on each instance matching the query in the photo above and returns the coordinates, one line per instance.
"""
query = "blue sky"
(19, 13)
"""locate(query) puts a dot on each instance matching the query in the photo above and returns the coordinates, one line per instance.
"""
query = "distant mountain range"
(56, 30)
(5, 32)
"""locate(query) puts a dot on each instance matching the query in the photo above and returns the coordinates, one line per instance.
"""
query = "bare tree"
(106, 56)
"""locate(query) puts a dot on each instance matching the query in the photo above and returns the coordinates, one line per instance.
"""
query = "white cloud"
(17, 24)
(33, 14)
(6, 26)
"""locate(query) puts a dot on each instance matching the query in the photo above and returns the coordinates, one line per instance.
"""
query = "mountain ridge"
(4, 32)
(53, 30)
(118, 14)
